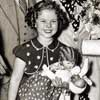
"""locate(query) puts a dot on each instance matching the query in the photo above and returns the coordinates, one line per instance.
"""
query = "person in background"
(4, 78)
(2, 68)
(48, 19)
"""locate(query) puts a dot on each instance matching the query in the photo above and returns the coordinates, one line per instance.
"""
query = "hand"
(57, 82)
(2, 70)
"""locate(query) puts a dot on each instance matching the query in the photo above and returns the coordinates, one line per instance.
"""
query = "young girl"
(27, 83)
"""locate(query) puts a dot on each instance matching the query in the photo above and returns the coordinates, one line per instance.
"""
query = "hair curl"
(32, 14)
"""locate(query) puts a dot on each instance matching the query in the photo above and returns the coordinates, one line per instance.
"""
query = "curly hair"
(32, 14)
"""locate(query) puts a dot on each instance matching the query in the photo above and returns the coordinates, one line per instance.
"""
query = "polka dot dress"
(38, 87)
(33, 86)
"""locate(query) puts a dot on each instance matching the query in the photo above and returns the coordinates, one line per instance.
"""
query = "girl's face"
(46, 23)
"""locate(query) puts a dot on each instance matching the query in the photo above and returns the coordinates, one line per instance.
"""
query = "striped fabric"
(25, 4)
(22, 4)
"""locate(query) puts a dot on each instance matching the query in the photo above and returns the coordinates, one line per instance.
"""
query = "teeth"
(48, 31)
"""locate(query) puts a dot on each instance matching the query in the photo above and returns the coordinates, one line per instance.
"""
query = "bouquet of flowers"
(69, 73)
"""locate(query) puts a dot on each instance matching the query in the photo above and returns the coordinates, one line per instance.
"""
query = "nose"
(48, 24)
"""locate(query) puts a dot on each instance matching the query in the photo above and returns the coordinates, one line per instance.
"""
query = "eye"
(54, 21)
(43, 21)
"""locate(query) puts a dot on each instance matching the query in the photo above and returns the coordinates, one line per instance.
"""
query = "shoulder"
(22, 47)
(22, 51)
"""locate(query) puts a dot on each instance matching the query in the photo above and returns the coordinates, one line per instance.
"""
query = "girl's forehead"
(47, 12)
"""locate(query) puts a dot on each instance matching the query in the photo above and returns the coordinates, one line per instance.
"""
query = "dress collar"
(38, 46)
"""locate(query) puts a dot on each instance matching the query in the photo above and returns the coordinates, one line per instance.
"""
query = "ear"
(35, 25)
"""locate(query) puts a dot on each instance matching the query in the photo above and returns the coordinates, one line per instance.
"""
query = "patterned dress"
(34, 86)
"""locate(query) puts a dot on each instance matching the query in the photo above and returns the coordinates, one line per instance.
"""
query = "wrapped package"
(91, 47)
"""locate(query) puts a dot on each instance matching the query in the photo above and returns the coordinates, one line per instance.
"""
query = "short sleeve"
(20, 52)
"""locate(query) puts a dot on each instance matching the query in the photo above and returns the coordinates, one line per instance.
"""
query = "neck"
(45, 41)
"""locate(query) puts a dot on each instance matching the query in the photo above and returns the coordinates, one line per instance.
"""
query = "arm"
(16, 78)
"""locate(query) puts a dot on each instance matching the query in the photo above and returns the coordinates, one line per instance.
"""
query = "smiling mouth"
(48, 31)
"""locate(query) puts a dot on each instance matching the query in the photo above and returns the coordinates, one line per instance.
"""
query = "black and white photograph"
(49, 50)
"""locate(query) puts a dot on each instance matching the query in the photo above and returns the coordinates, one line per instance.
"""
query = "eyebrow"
(50, 19)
